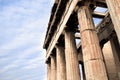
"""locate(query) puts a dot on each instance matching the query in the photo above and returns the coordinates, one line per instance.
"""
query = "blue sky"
(23, 25)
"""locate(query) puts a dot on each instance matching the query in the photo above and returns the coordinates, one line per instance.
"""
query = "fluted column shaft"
(116, 49)
(61, 65)
(53, 67)
(92, 54)
(110, 61)
(114, 9)
(72, 65)
(48, 71)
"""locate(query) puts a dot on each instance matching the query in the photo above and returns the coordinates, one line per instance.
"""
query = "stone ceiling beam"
(77, 36)
(98, 14)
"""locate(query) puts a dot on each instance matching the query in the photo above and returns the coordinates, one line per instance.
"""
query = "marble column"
(53, 67)
(61, 65)
(116, 50)
(48, 71)
(92, 55)
(114, 10)
(71, 55)
(110, 61)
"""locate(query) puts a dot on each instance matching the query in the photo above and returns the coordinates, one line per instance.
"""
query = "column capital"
(48, 60)
(53, 54)
(88, 3)
(59, 45)
(60, 42)
(69, 29)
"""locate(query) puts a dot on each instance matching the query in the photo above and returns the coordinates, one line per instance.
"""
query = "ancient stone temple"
(82, 40)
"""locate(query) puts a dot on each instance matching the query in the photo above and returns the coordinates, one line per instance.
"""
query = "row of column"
(67, 66)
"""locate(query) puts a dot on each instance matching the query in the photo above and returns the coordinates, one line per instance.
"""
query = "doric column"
(92, 54)
(61, 65)
(110, 61)
(116, 50)
(53, 67)
(72, 65)
(114, 9)
(48, 71)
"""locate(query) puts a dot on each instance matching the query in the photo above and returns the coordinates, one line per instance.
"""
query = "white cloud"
(7, 68)
(23, 23)
(28, 64)
(30, 33)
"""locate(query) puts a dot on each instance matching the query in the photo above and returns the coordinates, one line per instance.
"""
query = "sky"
(23, 25)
